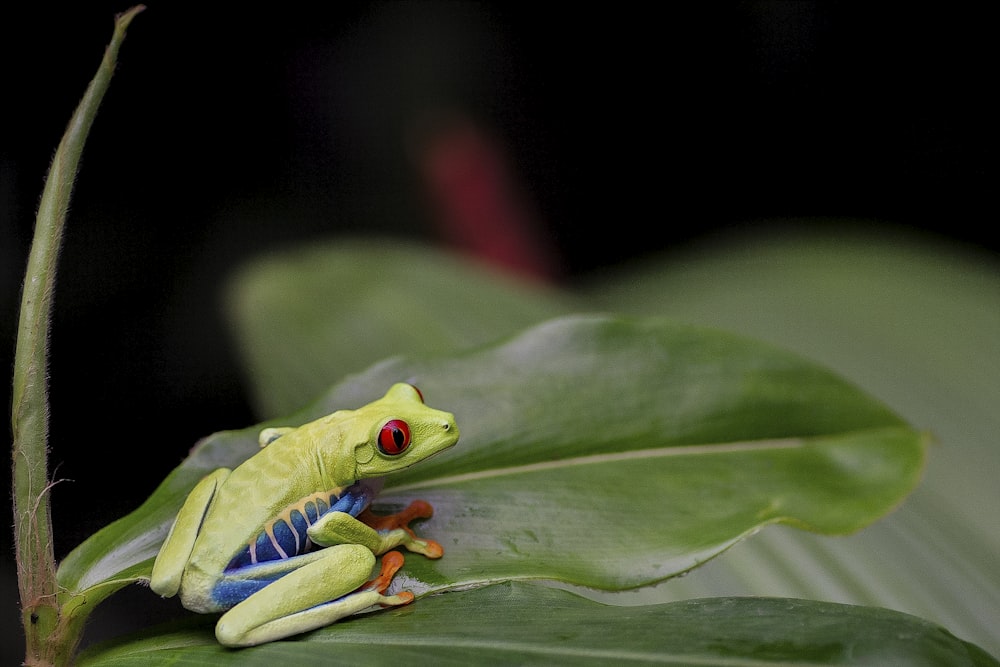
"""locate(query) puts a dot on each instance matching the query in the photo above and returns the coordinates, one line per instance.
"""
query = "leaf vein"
(610, 457)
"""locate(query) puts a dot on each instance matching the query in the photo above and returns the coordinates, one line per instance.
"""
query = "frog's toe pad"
(428, 548)
(401, 598)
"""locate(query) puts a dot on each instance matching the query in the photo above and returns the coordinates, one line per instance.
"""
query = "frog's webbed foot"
(391, 562)
(400, 521)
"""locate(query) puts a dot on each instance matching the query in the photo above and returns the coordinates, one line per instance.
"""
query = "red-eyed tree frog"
(285, 542)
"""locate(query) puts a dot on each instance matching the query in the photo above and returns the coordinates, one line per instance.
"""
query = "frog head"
(403, 431)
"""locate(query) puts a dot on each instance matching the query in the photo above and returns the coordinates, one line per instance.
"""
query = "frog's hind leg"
(168, 568)
(310, 597)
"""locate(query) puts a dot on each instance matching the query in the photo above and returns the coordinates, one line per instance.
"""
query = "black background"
(229, 132)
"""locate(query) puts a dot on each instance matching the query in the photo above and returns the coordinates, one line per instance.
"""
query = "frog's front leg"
(418, 509)
(380, 534)
(332, 585)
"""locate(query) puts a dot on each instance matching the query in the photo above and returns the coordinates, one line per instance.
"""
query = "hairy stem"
(46, 642)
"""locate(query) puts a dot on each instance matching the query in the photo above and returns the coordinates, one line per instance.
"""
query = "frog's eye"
(420, 394)
(394, 437)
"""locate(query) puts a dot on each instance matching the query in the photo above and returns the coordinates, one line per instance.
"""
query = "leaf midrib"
(609, 457)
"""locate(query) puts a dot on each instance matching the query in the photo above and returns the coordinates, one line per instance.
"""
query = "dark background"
(227, 133)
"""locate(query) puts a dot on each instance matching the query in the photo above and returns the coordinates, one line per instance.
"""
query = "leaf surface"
(915, 321)
(598, 451)
(498, 625)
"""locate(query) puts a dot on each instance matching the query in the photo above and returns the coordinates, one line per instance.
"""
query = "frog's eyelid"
(412, 380)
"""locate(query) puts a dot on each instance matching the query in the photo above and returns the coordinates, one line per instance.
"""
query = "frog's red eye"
(394, 437)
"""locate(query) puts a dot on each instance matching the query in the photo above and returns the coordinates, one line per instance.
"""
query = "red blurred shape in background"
(478, 204)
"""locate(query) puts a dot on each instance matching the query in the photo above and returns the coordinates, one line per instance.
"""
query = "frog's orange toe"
(391, 562)
(401, 598)
(432, 549)
(418, 509)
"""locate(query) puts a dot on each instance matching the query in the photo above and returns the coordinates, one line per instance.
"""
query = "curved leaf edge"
(503, 620)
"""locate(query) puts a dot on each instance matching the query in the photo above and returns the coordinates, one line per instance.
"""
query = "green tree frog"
(285, 542)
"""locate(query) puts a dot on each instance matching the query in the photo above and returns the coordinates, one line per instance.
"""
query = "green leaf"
(307, 318)
(914, 320)
(600, 452)
(499, 625)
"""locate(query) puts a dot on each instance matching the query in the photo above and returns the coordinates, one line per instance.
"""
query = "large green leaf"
(600, 452)
(499, 624)
(914, 320)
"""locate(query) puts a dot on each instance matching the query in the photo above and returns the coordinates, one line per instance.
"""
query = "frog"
(287, 542)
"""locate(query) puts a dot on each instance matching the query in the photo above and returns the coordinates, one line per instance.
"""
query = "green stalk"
(50, 636)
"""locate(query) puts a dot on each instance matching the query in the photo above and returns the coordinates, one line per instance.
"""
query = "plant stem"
(46, 636)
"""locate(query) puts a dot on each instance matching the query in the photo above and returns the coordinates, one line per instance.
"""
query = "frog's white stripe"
(598, 459)
(295, 532)
(274, 541)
